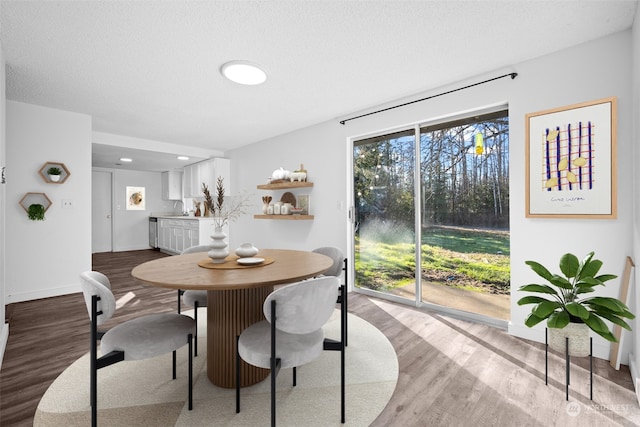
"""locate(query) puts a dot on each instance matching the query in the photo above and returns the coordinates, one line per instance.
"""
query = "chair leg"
(237, 376)
(190, 371)
(295, 377)
(174, 364)
(195, 345)
(94, 363)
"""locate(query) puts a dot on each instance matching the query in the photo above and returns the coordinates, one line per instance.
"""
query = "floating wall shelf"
(63, 176)
(35, 198)
(287, 217)
(284, 185)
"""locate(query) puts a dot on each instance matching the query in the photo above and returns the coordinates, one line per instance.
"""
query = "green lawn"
(475, 259)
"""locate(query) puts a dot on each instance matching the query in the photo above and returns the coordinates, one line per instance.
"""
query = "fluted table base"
(228, 314)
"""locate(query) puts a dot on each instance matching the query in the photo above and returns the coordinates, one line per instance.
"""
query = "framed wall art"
(135, 199)
(303, 203)
(571, 161)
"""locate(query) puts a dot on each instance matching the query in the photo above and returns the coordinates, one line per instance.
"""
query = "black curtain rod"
(512, 75)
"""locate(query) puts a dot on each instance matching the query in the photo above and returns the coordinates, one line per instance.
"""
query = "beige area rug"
(142, 393)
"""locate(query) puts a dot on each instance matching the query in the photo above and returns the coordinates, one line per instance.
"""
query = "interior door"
(101, 214)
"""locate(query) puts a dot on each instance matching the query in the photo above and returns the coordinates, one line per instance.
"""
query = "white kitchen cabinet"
(176, 234)
(206, 172)
(172, 185)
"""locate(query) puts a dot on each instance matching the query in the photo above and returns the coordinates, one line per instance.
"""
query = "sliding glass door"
(384, 240)
(442, 188)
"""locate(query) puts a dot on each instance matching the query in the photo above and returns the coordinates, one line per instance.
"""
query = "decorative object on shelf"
(219, 248)
(265, 203)
(296, 211)
(270, 209)
(30, 199)
(223, 210)
(303, 203)
(54, 172)
(36, 211)
(299, 175)
(246, 250)
(280, 175)
(196, 206)
(566, 305)
(289, 197)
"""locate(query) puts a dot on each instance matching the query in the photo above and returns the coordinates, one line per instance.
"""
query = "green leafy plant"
(54, 171)
(36, 212)
(565, 303)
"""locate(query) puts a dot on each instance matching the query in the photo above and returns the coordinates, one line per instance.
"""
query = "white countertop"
(174, 215)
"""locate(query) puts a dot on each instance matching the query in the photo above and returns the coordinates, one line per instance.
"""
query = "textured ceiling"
(150, 69)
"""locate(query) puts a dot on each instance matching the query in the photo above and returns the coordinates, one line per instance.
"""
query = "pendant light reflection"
(479, 143)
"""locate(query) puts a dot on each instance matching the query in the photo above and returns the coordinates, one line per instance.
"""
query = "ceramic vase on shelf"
(219, 248)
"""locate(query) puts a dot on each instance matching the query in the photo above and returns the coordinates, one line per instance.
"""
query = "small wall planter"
(49, 179)
(35, 199)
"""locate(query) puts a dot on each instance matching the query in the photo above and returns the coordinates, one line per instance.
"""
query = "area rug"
(142, 393)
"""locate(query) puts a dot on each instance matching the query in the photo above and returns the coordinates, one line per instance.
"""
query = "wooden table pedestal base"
(229, 312)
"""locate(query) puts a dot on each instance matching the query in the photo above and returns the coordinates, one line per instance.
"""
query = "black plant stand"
(567, 364)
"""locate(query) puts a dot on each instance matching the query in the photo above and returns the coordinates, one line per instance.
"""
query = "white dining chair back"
(303, 307)
(292, 334)
(143, 337)
(336, 255)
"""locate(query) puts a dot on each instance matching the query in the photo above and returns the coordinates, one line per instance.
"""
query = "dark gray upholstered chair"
(141, 338)
(195, 299)
(339, 265)
(293, 333)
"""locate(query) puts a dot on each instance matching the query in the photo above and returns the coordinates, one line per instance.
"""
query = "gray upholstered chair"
(339, 265)
(292, 335)
(195, 299)
(141, 338)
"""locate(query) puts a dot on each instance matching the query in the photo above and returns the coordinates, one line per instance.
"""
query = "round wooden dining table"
(235, 295)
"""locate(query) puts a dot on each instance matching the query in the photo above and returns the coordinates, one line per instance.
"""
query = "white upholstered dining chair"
(293, 333)
(140, 338)
(339, 265)
(195, 299)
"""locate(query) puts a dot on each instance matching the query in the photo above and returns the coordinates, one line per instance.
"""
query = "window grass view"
(462, 206)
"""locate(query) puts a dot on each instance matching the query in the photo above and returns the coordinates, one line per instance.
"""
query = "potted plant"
(36, 212)
(566, 309)
(54, 173)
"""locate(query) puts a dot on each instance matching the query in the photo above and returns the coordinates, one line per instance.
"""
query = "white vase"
(578, 334)
(219, 248)
(54, 178)
(246, 250)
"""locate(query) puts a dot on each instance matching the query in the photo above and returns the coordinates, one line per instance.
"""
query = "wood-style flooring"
(451, 372)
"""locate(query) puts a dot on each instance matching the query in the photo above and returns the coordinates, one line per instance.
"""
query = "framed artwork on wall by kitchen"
(135, 198)
(570, 166)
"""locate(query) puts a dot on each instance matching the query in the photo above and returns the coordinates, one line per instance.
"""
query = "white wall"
(594, 70)
(131, 228)
(4, 327)
(44, 258)
(634, 294)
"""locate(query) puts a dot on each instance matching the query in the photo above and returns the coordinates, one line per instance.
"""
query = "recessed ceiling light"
(183, 158)
(125, 159)
(244, 72)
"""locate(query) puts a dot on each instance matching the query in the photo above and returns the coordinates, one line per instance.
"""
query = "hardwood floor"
(451, 372)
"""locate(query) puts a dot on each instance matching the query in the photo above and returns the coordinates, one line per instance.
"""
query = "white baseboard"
(601, 347)
(42, 293)
(4, 336)
(634, 376)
